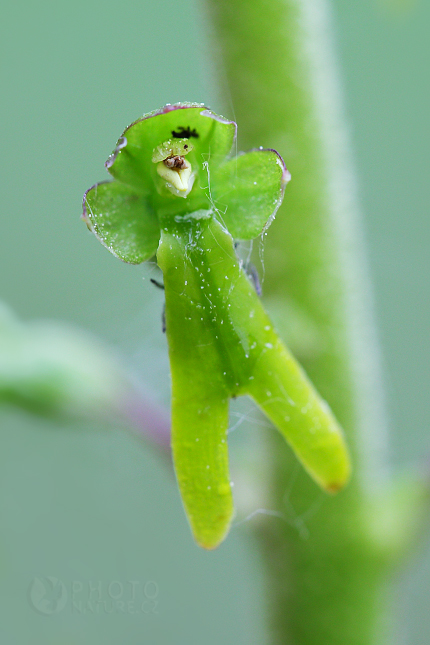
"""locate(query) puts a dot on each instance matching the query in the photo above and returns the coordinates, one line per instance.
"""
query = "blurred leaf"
(55, 370)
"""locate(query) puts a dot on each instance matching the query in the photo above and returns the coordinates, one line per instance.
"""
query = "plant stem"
(327, 588)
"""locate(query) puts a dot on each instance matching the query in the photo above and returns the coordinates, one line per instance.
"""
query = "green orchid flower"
(177, 194)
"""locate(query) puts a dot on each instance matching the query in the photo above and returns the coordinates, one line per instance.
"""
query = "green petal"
(123, 221)
(248, 191)
(131, 162)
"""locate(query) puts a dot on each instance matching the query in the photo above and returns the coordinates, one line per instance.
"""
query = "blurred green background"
(84, 504)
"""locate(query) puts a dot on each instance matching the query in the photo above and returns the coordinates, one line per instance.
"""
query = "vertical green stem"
(328, 588)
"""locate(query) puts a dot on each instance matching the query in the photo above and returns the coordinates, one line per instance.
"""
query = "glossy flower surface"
(178, 194)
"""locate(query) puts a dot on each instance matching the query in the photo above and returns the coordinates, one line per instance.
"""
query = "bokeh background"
(85, 503)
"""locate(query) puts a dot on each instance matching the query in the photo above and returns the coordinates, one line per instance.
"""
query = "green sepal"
(123, 221)
(248, 190)
(212, 139)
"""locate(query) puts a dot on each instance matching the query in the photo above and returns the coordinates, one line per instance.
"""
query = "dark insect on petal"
(185, 133)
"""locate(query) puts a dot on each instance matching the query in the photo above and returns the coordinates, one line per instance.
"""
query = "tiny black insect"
(159, 285)
(185, 133)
